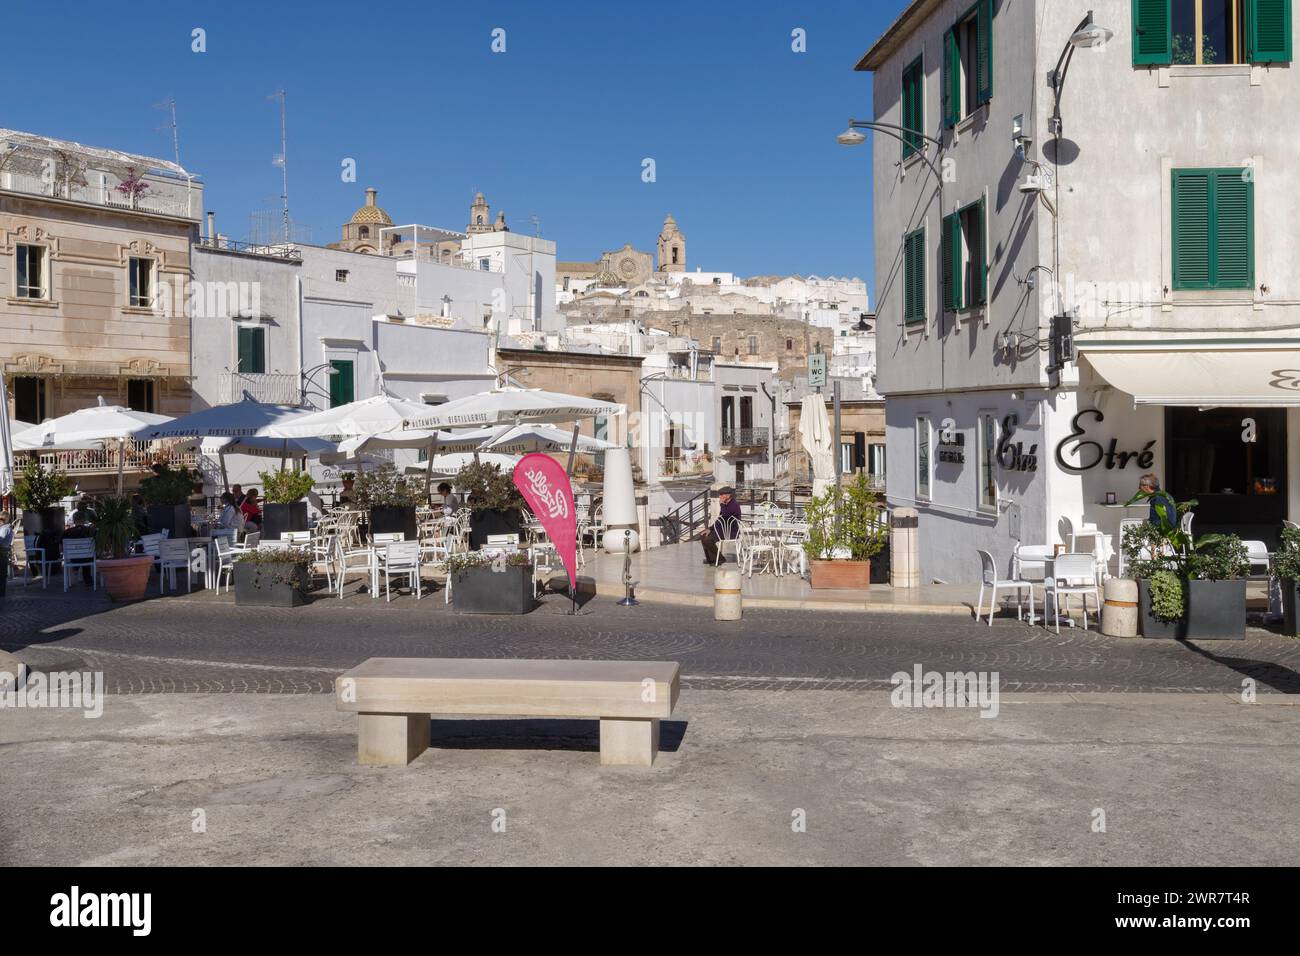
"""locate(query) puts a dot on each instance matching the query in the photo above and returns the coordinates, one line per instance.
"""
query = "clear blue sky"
(741, 128)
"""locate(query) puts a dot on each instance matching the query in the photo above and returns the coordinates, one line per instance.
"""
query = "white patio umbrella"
(99, 423)
(378, 415)
(7, 431)
(263, 447)
(522, 439)
(815, 437)
(511, 406)
(451, 464)
(358, 445)
(246, 419)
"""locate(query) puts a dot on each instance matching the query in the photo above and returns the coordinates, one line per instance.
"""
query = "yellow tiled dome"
(370, 212)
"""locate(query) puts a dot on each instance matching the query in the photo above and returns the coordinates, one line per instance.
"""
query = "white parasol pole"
(573, 449)
(428, 471)
(121, 461)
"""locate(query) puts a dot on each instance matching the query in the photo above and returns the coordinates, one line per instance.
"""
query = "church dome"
(371, 213)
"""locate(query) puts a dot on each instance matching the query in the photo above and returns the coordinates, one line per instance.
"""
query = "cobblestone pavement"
(205, 643)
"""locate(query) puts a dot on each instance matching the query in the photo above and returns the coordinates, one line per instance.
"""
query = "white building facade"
(1152, 213)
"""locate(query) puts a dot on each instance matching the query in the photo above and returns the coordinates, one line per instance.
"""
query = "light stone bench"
(395, 696)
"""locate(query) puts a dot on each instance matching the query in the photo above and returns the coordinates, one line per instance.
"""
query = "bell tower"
(672, 247)
(479, 216)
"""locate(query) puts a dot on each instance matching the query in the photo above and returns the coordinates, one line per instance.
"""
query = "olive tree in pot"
(496, 506)
(391, 499)
(491, 582)
(1286, 567)
(38, 492)
(126, 575)
(166, 493)
(273, 577)
(1188, 589)
(283, 507)
(846, 529)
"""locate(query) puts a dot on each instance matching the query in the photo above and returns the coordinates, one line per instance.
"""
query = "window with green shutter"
(1211, 32)
(968, 63)
(341, 382)
(1213, 229)
(913, 117)
(965, 260)
(252, 351)
(951, 291)
(914, 277)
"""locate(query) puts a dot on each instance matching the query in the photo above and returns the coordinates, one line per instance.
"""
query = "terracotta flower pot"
(126, 579)
(841, 574)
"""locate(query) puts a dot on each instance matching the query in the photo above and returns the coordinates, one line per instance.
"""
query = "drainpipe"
(771, 433)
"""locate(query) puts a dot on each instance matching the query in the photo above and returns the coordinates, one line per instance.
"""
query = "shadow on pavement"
(535, 734)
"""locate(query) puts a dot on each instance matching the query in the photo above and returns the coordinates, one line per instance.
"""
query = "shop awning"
(1202, 378)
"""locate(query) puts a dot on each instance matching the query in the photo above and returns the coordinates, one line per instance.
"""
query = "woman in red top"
(252, 511)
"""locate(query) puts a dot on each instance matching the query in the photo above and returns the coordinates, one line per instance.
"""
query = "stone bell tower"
(672, 247)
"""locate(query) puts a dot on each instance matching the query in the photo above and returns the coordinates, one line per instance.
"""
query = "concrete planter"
(271, 584)
(126, 579)
(175, 518)
(1214, 611)
(1290, 604)
(841, 574)
(486, 522)
(47, 525)
(386, 519)
(279, 518)
(484, 591)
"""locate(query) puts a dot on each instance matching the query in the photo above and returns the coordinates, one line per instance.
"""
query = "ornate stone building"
(361, 232)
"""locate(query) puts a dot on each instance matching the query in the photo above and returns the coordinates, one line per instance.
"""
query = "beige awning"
(1202, 378)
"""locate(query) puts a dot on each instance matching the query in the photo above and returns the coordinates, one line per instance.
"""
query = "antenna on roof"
(537, 224)
(282, 160)
(169, 105)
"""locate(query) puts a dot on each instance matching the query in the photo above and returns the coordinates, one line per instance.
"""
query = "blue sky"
(740, 127)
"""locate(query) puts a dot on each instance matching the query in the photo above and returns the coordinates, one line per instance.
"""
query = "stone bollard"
(726, 593)
(1119, 613)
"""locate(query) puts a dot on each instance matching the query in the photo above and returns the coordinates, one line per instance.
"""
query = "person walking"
(1160, 501)
(725, 527)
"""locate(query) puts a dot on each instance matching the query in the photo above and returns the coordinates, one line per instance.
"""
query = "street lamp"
(305, 378)
(1087, 35)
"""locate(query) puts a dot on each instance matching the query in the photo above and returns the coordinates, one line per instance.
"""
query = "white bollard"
(1119, 613)
(727, 599)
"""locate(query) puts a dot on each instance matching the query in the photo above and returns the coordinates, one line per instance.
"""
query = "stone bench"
(395, 696)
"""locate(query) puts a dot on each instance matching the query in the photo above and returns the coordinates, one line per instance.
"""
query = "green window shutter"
(951, 290)
(1268, 31)
(913, 117)
(982, 261)
(341, 391)
(1153, 41)
(1234, 261)
(984, 40)
(1191, 229)
(951, 79)
(252, 351)
(914, 277)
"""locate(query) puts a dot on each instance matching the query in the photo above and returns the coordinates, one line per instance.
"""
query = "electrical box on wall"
(1013, 520)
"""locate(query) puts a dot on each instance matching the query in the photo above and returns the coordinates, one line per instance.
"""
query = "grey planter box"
(387, 519)
(484, 591)
(1290, 603)
(256, 585)
(279, 518)
(175, 518)
(1215, 611)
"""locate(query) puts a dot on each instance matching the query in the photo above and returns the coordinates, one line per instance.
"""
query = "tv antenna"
(169, 106)
(282, 160)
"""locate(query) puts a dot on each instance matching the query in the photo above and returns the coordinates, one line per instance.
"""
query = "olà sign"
(1012, 455)
(1078, 453)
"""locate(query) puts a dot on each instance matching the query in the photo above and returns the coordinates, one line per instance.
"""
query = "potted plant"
(167, 494)
(1286, 568)
(38, 492)
(126, 575)
(1188, 588)
(349, 479)
(283, 507)
(846, 529)
(496, 506)
(273, 577)
(391, 499)
(491, 582)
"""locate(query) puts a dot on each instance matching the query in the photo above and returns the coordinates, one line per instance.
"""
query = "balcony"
(274, 388)
(137, 457)
(101, 193)
(744, 437)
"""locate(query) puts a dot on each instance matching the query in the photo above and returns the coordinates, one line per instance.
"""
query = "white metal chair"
(1258, 556)
(1072, 574)
(989, 579)
(346, 554)
(79, 553)
(1097, 538)
(296, 538)
(753, 545)
(175, 556)
(225, 559)
(250, 542)
(35, 554)
(1185, 523)
(1124, 525)
(402, 558)
(731, 532)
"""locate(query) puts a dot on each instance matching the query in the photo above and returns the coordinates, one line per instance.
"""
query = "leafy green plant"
(37, 488)
(849, 520)
(1286, 562)
(274, 566)
(485, 558)
(385, 488)
(1221, 559)
(285, 487)
(168, 486)
(1168, 599)
(114, 527)
(488, 488)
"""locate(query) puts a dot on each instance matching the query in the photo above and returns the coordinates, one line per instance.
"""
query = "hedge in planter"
(846, 529)
(38, 492)
(283, 507)
(391, 499)
(167, 494)
(484, 582)
(1286, 567)
(496, 506)
(273, 577)
(1188, 588)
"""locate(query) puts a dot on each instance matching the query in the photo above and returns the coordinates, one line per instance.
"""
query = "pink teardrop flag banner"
(545, 486)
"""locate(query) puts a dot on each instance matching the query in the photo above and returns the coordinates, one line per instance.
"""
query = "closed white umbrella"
(6, 445)
(511, 406)
(815, 437)
(369, 416)
(99, 423)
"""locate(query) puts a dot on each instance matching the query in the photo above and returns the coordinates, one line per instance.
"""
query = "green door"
(341, 391)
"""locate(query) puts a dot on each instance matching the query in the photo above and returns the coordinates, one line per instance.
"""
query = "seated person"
(231, 516)
(140, 515)
(451, 502)
(252, 511)
(727, 525)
